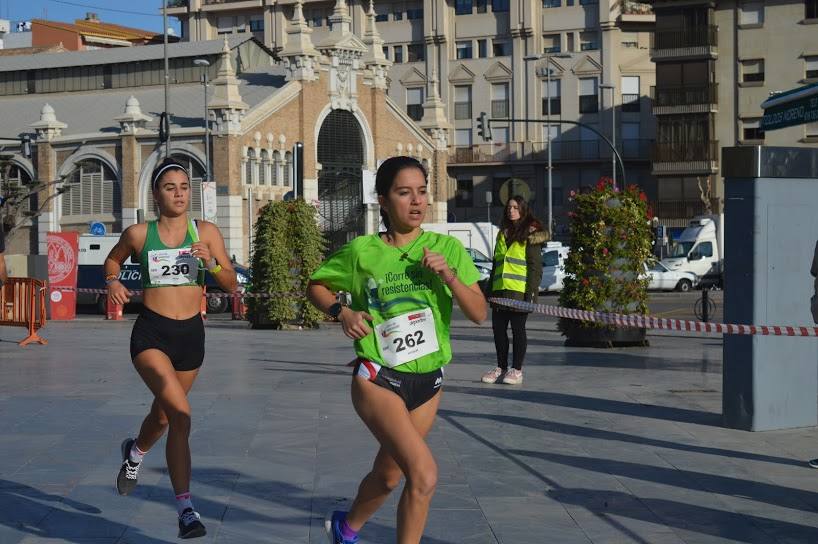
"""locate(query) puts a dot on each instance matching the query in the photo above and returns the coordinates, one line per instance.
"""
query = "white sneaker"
(513, 377)
(492, 375)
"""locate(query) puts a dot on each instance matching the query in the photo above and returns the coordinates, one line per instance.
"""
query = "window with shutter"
(92, 189)
(250, 166)
(276, 167)
(262, 168)
(811, 67)
(752, 13)
(588, 95)
(288, 161)
(752, 71)
(630, 93)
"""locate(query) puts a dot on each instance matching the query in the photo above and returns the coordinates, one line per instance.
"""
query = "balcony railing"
(685, 151)
(415, 111)
(462, 110)
(677, 213)
(561, 150)
(685, 96)
(631, 103)
(177, 3)
(499, 108)
(630, 7)
(705, 36)
(635, 149)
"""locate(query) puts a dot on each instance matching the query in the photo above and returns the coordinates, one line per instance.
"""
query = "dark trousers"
(500, 320)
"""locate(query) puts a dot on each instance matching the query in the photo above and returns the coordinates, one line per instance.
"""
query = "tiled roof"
(98, 28)
(116, 55)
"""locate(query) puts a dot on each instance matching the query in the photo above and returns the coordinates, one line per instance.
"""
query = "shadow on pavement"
(30, 511)
(785, 497)
(260, 492)
(725, 526)
(613, 436)
(564, 400)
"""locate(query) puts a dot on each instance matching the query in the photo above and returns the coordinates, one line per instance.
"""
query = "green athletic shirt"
(154, 242)
(385, 286)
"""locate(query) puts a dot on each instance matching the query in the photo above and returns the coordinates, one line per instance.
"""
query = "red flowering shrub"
(610, 242)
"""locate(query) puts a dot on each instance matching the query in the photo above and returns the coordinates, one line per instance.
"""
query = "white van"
(553, 271)
(478, 236)
(699, 250)
(90, 274)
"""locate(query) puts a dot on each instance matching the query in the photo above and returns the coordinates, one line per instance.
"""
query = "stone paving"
(612, 446)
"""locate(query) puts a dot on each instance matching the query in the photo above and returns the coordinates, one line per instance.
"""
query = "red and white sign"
(63, 249)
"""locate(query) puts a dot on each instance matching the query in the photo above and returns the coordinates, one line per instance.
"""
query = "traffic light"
(25, 142)
(483, 129)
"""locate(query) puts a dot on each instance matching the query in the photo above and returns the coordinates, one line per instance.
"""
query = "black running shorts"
(414, 389)
(182, 340)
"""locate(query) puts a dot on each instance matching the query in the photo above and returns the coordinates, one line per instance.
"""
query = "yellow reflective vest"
(509, 266)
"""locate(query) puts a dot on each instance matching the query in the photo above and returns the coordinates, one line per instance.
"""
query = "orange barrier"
(239, 307)
(112, 311)
(22, 304)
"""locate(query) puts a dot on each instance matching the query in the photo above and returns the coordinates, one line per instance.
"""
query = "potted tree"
(288, 248)
(610, 243)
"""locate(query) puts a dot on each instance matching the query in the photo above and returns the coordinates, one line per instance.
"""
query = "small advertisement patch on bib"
(172, 266)
(407, 337)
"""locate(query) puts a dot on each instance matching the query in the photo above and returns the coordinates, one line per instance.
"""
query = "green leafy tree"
(289, 247)
(610, 243)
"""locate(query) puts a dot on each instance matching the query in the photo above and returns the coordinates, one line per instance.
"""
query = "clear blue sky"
(142, 14)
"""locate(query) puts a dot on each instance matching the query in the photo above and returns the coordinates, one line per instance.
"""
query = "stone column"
(131, 123)
(47, 129)
(228, 108)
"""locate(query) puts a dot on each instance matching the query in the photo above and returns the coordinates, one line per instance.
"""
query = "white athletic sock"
(183, 502)
(136, 455)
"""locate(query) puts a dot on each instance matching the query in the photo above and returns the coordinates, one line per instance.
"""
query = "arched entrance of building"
(340, 181)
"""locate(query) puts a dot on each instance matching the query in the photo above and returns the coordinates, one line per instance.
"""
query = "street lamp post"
(205, 64)
(488, 220)
(613, 130)
(167, 76)
(548, 57)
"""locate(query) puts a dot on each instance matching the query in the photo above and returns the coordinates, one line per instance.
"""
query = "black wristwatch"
(335, 310)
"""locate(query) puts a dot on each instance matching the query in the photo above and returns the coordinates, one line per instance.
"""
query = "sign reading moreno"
(796, 107)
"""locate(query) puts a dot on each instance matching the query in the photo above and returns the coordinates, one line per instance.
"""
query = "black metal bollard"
(705, 305)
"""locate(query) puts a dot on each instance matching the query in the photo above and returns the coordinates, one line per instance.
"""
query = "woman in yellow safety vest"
(516, 275)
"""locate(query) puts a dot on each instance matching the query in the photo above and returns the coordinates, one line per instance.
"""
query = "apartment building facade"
(716, 62)
(489, 55)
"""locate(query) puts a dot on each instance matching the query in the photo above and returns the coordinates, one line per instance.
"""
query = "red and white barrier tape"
(649, 322)
(208, 295)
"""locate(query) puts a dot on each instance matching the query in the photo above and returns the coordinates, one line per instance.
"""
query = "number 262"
(409, 341)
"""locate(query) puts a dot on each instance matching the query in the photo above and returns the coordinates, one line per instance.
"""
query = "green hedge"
(610, 242)
(288, 248)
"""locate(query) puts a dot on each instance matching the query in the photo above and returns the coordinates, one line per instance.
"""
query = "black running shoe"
(190, 525)
(813, 463)
(128, 472)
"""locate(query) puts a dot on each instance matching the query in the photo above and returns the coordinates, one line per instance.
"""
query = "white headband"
(165, 169)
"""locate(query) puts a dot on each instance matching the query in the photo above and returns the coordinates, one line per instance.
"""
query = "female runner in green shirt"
(168, 339)
(402, 283)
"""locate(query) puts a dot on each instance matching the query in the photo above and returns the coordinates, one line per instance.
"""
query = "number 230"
(409, 341)
(175, 270)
